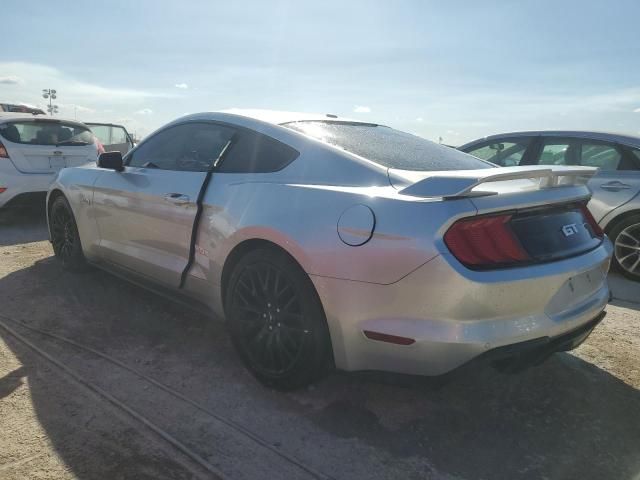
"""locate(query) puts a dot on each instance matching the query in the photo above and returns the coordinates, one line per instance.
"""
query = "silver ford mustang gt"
(329, 242)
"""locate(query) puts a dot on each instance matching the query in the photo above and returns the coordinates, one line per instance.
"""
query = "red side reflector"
(485, 241)
(385, 337)
(597, 230)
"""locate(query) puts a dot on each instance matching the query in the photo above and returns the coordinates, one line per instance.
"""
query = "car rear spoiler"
(464, 183)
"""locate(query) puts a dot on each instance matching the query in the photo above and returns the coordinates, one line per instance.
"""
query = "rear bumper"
(21, 186)
(518, 356)
(455, 315)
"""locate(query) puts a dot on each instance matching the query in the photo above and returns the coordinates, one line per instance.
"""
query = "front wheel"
(276, 320)
(626, 242)
(65, 237)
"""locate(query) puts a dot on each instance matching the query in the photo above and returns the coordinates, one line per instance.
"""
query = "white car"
(32, 151)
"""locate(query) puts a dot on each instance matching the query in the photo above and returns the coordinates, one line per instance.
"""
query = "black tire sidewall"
(314, 360)
(613, 235)
(76, 261)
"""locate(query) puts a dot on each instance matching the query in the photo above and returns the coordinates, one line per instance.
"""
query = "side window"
(556, 153)
(162, 150)
(256, 153)
(204, 144)
(635, 152)
(118, 135)
(606, 157)
(191, 147)
(102, 132)
(505, 154)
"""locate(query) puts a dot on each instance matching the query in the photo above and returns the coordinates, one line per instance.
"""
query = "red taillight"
(3, 151)
(597, 231)
(485, 241)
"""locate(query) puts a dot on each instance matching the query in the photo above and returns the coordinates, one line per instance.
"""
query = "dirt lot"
(192, 411)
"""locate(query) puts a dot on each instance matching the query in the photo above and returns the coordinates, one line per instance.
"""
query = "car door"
(112, 137)
(145, 214)
(617, 180)
(506, 152)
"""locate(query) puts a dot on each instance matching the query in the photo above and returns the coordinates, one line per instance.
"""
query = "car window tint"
(389, 147)
(189, 147)
(555, 153)
(253, 152)
(204, 144)
(162, 150)
(505, 154)
(606, 157)
(46, 133)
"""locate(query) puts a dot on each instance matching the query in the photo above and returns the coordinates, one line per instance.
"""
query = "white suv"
(33, 150)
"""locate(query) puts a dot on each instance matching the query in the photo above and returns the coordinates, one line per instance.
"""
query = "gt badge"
(570, 229)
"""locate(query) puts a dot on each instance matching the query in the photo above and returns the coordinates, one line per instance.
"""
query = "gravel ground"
(575, 416)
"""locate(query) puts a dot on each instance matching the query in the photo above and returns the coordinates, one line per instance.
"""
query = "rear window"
(388, 147)
(46, 133)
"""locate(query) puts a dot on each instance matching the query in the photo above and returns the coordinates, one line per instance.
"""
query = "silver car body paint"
(401, 280)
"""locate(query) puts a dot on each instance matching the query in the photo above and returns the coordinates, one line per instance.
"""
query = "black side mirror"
(111, 160)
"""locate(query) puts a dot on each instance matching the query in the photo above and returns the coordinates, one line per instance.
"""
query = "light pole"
(51, 95)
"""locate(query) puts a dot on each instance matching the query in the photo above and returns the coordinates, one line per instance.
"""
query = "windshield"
(46, 133)
(388, 147)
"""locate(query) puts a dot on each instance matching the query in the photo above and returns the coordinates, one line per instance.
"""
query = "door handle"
(177, 198)
(615, 186)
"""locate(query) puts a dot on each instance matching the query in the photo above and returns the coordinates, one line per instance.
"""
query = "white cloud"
(362, 109)
(144, 111)
(637, 110)
(10, 80)
(32, 78)
(419, 119)
(182, 86)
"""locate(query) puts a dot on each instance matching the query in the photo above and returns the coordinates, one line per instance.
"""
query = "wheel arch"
(51, 197)
(251, 244)
(615, 221)
(53, 194)
(240, 250)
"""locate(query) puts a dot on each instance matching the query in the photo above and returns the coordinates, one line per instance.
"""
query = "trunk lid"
(539, 212)
(47, 146)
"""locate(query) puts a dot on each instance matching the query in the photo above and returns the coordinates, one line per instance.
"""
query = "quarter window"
(505, 154)
(253, 152)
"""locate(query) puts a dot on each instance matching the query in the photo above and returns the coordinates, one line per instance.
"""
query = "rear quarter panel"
(303, 220)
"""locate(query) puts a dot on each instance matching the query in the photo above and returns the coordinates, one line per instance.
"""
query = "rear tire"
(276, 320)
(626, 243)
(65, 237)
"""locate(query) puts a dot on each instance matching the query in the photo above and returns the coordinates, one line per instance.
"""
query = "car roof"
(105, 124)
(10, 116)
(275, 117)
(592, 135)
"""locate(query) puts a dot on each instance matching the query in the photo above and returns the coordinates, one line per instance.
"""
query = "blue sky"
(456, 70)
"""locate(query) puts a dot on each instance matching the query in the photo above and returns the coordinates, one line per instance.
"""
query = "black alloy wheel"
(276, 320)
(64, 236)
